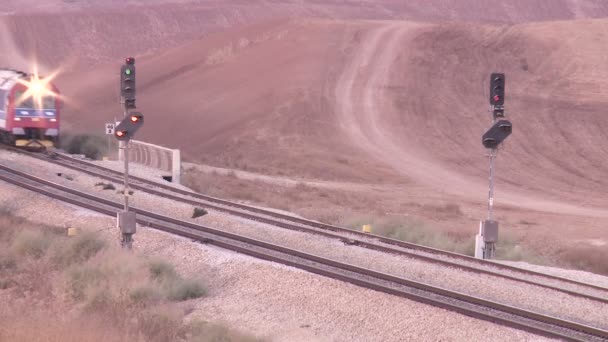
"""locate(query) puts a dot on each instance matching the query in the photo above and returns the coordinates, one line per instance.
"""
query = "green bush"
(145, 294)
(162, 270)
(184, 289)
(174, 287)
(92, 146)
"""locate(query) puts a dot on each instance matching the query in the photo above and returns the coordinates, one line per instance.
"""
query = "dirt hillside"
(373, 92)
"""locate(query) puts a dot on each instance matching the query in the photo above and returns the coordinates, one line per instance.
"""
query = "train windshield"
(48, 102)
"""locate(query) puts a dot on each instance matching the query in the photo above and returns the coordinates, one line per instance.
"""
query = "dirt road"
(365, 108)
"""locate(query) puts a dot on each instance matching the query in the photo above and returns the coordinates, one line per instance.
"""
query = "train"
(29, 110)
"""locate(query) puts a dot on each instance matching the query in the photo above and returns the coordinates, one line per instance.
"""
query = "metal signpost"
(109, 132)
(485, 241)
(124, 131)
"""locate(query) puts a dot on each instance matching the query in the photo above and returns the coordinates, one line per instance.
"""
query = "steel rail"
(65, 161)
(529, 321)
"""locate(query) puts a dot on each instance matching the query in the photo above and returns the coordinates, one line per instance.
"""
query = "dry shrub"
(412, 230)
(588, 258)
(184, 289)
(79, 249)
(5, 284)
(106, 186)
(110, 294)
(511, 248)
(146, 294)
(173, 286)
(40, 326)
(198, 212)
(201, 331)
(81, 279)
(8, 261)
(92, 146)
(449, 210)
(296, 198)
(160, 324)
(28, 243)
(161, 270)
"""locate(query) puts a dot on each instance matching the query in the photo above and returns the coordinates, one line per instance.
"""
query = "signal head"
(127, 82)
(497, 134)
(136, 118)
(497, 89)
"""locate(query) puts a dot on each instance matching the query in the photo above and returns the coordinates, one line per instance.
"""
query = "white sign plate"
(110, 128)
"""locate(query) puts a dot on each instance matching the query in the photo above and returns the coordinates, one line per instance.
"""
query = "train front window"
(48, 102)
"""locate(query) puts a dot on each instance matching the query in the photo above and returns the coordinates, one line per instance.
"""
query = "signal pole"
(493, 154)
(127, 237)
(124, 131)
(485, 241)
(126, 158)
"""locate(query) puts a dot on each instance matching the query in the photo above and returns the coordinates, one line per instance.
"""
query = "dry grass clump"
(92, 146)
(79, 249)
(106, 186)
(414, 231)
(589, 258)
(28, 243)
(114, 280)
(298, 198)
(57, 288)
(173, 286)
(353, 210)
(201, 331)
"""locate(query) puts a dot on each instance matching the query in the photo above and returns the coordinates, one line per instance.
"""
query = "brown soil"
(343, 92)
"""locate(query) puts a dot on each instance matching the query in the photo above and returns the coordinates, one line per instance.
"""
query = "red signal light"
(120, 133)
(134, 119)
(496, 98)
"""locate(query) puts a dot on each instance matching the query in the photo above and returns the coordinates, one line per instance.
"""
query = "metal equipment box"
(489, 231)
(126, 222)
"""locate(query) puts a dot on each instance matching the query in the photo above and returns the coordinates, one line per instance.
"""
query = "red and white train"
(29, 110)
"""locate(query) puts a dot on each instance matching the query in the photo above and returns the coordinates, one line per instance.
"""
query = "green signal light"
(128, 71)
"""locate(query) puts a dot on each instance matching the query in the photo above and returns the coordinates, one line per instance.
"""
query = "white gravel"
(275, 301)
(588, 277)
(490, 287)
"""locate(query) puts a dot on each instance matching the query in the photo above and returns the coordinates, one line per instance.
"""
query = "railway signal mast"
(124, 132)
(485, 241)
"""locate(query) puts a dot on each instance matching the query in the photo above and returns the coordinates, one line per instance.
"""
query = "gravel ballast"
(458, 280)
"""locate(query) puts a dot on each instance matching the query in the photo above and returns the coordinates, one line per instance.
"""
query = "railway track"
(471, 306)
(351, 237)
